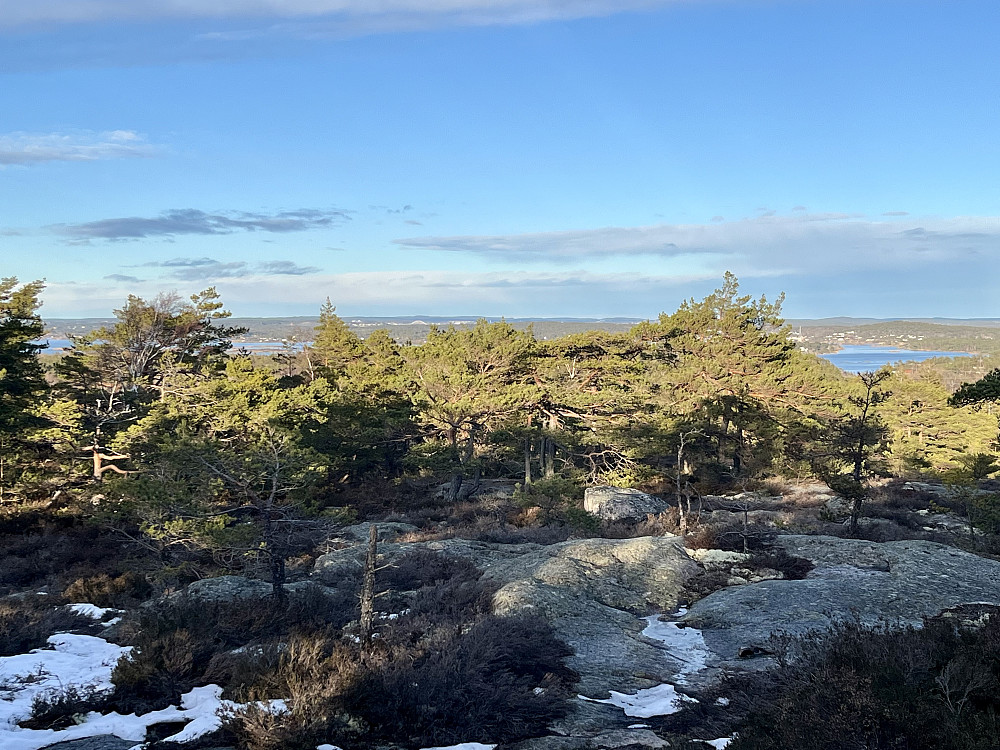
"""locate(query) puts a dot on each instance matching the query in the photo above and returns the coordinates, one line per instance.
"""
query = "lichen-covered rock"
(718, 558)
(892, 581)
(101, 742)
(235, 588)
(228, 588)
(617, 504)
(387, 531)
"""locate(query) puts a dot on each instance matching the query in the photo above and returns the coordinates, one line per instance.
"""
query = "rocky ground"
(619, 602)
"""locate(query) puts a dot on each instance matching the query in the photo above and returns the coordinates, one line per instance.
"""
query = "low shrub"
(735, 537)
(421, 568)
(935, 687)
(56, 709)
(26, 622)
(182, 642)
(547, 534)
(502, 680)
(498, 679)
(791, 567)
(127, 590)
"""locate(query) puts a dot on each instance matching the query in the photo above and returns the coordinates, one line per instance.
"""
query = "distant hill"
(846, 322)
(979, 335)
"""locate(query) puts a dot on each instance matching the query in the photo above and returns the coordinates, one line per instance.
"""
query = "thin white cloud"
(345, 15)
(28, 149)
(406, 292)
(946, 289)
(765, 245)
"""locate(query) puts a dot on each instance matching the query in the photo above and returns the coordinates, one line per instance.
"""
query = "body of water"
(867, 358)
(848, 359)
(256, 347)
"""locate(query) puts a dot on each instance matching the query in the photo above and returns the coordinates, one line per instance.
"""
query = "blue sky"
(503, 157)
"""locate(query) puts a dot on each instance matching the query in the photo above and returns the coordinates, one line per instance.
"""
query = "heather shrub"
(502, 680)
(126, 590)
(182, 642)
(930, 688)
(55, 709)
(791, 567)
(498, 679)
(26, 622)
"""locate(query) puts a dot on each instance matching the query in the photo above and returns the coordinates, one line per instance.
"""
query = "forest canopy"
(199, 444)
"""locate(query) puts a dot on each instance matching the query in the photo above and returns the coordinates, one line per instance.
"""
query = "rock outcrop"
(593, 591)
(617, 504)
(897, 582)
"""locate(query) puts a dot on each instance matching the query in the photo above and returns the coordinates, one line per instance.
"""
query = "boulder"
(228, 588)
(387, 531)
(617, 504)
(235, 588)
(718, 558)
(101, 742)
(774, 518)
(897, 582)
(495, 489)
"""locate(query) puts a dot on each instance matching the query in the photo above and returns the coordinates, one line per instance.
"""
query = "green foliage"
(115, 373)
(928, 436)
(21, 380)
(335, 346)
(469, 382)
(553, 495)
(986, 389)
(734, 380)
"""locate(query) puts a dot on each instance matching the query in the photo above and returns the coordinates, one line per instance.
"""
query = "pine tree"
(22, 382)
(335, 345)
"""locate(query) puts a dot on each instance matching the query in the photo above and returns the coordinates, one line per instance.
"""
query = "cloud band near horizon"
(766, 245)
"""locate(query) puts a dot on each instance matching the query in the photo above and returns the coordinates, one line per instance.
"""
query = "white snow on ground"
(74, 660)
(685, 645)
(464, 746)
(92, 611)
(655, 701)
(87, 661)
(720, 743)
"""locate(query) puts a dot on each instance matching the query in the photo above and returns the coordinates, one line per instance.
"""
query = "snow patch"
(464, 746)
(655, 701)
(719, 744)
(87, 662)
(686, 645)
(92, 611)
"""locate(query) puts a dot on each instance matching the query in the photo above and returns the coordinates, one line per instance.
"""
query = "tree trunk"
(368, 590)
(98, 474)
(275, 560)
(456, 487)
(855, 514)
(527, 461)
(682, 516)
(550, 457)
(277, 563)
